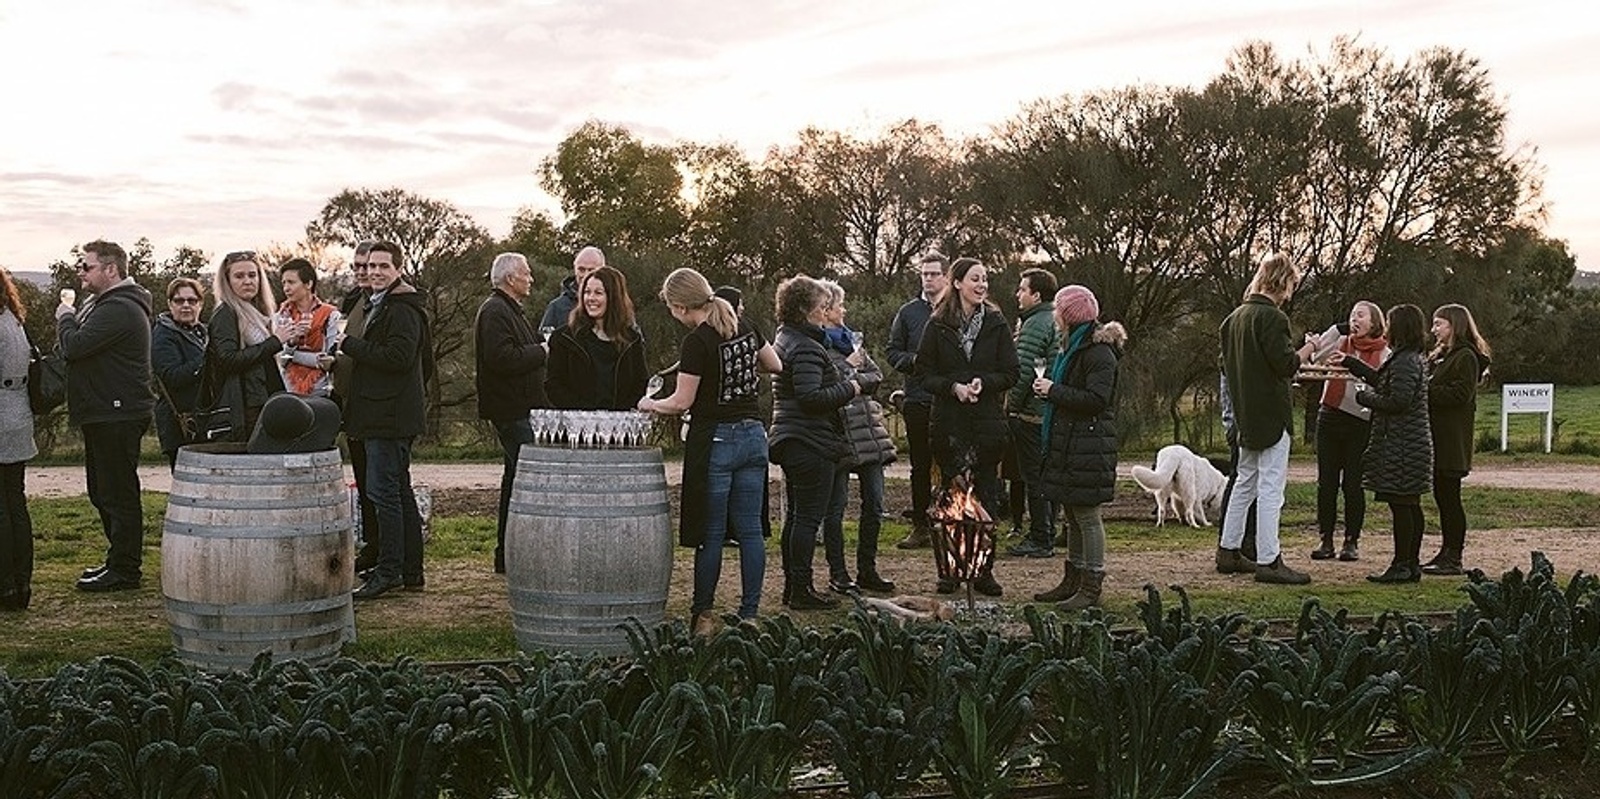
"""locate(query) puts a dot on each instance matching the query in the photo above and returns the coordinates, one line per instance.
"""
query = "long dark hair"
(949, 308)
(617, 322)
(1408, 328)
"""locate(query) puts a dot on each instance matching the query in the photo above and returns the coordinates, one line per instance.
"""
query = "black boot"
(1397, 573)
(867, 577)
(805, 597)
(1351, 551)
(1325, 551)
(987, 585)
(1445, 564)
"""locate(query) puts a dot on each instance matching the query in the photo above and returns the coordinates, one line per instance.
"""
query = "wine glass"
(652, 388)
(1039, 365)
(856, 338)
(546, 332)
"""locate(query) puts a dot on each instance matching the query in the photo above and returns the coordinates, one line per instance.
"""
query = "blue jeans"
(399, 524)
(866, 532)
(734, 489)
(513, 434)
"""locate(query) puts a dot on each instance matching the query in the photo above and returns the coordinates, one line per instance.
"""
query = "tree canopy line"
(1386, 179)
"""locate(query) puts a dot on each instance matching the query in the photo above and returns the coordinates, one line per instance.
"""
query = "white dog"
(1184, 482)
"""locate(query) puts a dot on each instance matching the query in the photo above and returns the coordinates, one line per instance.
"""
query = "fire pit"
(963, 539)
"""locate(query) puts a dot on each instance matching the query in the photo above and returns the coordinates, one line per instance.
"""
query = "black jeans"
(513, 434)
(111, 469)
(1452, 516)
(917, 417)
(369, 514)
(1341, 442)
(1030, 462)
(808, 483)
(16, 530)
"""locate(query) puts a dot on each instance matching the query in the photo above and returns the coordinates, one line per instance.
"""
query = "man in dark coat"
(386, 411)
(106, 344)
(905, 337)
(353, 308)
(510, 374)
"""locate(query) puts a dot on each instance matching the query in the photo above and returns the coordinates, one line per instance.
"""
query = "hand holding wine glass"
(1039, 365)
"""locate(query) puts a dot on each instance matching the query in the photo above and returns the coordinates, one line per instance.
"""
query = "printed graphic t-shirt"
(729, 380)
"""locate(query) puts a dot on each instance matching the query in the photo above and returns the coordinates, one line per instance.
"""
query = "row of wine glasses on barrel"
(590, 429)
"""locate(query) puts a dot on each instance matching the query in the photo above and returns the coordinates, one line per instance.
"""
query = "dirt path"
(58, 481)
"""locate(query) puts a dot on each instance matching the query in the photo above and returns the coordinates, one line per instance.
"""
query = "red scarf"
(302, 378)
(1369, 350)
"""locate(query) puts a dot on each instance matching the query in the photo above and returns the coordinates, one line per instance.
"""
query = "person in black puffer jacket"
(1079, 436)
(871, 448)
(967, 361)
(1398, 464)
(807, 437)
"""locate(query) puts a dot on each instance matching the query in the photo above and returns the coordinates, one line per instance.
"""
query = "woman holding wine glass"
(597, 359)
(725, 452)
(871, 448)
(309, 358)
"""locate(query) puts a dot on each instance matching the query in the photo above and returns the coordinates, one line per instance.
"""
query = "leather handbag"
(47, 381)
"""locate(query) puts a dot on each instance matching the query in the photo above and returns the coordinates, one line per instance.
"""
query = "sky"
(226, 124)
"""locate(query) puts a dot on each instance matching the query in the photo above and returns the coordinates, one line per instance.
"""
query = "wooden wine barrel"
(256, 556)
(588, 545)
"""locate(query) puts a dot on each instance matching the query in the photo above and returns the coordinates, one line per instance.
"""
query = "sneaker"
(1028, 548)
(1279, 573)
(1351, 551)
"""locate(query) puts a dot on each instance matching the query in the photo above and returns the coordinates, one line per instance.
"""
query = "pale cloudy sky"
(226, 124)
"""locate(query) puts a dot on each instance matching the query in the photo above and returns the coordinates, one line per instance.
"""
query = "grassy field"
(463, 614)
(1577, 423)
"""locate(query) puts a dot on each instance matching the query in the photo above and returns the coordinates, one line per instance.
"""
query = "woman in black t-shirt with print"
(725, 454)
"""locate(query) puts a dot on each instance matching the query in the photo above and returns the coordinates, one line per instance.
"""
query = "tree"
(877, 203)
(616, 191)
(446, 257)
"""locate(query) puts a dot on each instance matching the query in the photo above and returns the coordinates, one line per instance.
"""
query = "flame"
(964, 536)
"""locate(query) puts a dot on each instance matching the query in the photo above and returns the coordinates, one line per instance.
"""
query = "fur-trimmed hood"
(1112, 333)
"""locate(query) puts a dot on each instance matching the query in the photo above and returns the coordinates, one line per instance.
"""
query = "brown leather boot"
(1063, 589)
(918, 539)
(1231, 561)
(1087, 595)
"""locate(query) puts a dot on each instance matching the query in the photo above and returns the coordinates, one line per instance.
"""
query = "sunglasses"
(85, 266)
(236, 257)
(183, 300)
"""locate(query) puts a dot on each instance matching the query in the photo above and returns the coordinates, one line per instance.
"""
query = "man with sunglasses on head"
(353, 309)
(106, 344)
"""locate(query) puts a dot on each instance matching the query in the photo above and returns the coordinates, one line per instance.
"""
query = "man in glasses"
(905, 336)
(353, 309)
(386, 411)
(106, 344)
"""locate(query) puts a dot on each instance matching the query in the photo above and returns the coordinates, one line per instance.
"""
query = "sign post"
(1528, 398)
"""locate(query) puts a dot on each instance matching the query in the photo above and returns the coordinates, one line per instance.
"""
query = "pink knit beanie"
(1075, 304)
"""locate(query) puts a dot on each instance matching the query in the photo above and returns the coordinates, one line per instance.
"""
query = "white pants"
(1261, 476)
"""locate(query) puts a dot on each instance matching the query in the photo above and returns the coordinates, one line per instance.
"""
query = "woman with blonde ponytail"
(725, 453)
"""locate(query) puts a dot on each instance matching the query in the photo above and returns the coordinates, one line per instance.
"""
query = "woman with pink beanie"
(1079, 437)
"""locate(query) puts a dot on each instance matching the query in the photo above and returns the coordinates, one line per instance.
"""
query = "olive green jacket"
(1259, 360)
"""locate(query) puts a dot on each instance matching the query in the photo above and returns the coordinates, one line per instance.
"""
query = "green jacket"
(1036, 337)
(1259, 360)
